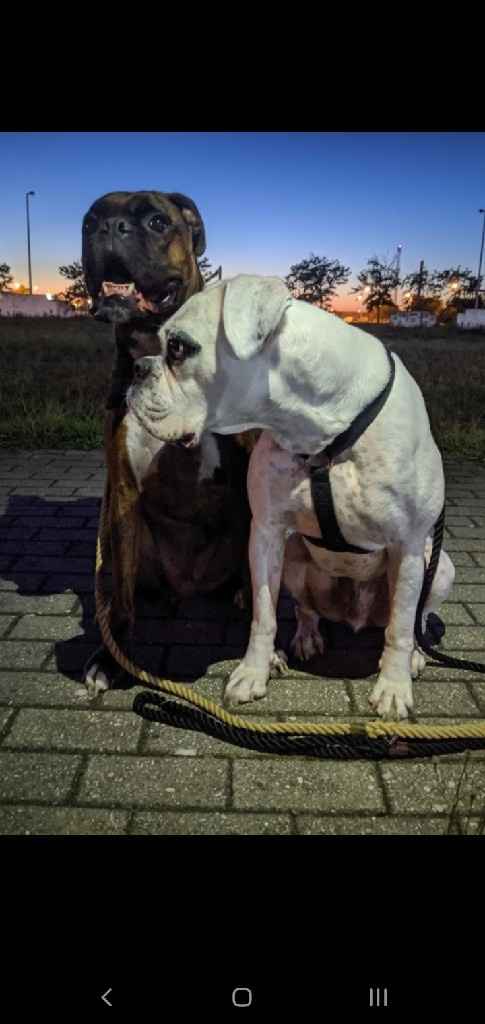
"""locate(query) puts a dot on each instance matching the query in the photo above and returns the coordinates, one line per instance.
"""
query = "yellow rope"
(373, 729)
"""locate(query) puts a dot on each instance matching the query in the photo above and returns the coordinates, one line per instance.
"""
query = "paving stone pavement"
(68, 767)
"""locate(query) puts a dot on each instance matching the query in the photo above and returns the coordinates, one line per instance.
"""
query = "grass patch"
(54, 378)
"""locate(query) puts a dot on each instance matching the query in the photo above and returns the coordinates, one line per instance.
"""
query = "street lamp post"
(27, 194)
(480, 263)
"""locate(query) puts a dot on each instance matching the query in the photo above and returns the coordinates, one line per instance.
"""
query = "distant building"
(413, 318)
(471, 320)
(18, 304)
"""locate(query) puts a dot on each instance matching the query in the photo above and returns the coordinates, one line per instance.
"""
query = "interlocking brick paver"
(169, 823)
(468, 574)
(456, 615)
(309, 825)
(6, 623)
(71, 729)
(295, 784)
(18, 654)
(463, 638)
(62, 821)
(47, 778)
(478, 612)
(69, 766)
(5, 716)
(46, 689)
(41, 605)
(156, 781)
(46, 627)
(429, 788)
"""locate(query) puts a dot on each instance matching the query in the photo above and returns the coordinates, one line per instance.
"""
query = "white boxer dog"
(245, 354)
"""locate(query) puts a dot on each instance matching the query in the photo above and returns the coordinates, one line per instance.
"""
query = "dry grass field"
(54, 379)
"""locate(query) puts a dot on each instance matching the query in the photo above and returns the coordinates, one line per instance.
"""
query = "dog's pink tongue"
(111, 288)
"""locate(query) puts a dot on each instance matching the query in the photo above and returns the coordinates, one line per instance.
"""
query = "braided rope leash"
(371, 740)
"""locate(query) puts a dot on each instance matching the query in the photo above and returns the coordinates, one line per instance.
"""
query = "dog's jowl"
(328, 396)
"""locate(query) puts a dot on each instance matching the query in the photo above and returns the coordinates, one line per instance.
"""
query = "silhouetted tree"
(316, 279)
(456, 287)
(377, 282)
(421, 289)
(77, 290)
(5, 277)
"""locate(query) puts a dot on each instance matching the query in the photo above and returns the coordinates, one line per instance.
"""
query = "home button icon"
(242, 997)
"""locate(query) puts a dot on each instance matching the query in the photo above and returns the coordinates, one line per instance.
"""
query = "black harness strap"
(332, 538)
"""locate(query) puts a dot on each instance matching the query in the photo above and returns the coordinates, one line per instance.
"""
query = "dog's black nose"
(143, 367)
(117, 225)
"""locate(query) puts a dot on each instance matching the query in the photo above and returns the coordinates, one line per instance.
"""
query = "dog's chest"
(347, 499)
(143, 451)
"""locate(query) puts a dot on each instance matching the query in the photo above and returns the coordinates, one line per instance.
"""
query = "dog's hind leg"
(307, 640)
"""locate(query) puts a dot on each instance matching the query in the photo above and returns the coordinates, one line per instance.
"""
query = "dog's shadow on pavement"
(48, 548)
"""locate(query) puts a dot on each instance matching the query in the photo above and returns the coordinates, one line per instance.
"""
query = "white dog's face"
(179, 394)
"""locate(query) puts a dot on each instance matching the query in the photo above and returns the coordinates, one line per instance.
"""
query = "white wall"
(471, 319)
(12, 304)
(413, 319)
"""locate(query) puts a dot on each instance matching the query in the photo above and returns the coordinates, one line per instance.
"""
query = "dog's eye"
(176, 350)
(158, 223)
(179, 348)
(90, 223)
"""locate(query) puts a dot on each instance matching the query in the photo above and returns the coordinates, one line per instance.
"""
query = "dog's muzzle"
(165, 426)
(143, 368)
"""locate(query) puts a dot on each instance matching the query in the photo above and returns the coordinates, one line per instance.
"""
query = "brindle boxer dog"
(178, 516)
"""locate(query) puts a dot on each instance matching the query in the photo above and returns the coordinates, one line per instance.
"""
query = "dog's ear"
(192, 217)
(253, 308)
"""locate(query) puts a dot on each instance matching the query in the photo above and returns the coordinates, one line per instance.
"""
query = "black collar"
(362, 421)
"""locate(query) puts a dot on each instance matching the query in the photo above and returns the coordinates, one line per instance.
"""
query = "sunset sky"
(268, 198)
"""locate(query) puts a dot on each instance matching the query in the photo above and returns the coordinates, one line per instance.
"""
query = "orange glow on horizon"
(341, 304)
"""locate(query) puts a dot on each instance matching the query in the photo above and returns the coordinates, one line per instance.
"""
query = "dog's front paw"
(100, 672)
(392, 699)
(307, 640)
(278, 665)
(246, 683)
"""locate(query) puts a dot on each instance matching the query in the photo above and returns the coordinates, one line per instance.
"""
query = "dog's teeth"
(115, 288)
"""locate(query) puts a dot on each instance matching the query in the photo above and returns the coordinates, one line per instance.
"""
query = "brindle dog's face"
(139, 255)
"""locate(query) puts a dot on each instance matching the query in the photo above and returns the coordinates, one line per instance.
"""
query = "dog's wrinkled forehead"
(134, 205)
(198, 319)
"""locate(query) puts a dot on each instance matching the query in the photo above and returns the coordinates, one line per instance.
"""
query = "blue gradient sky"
(268, 198)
